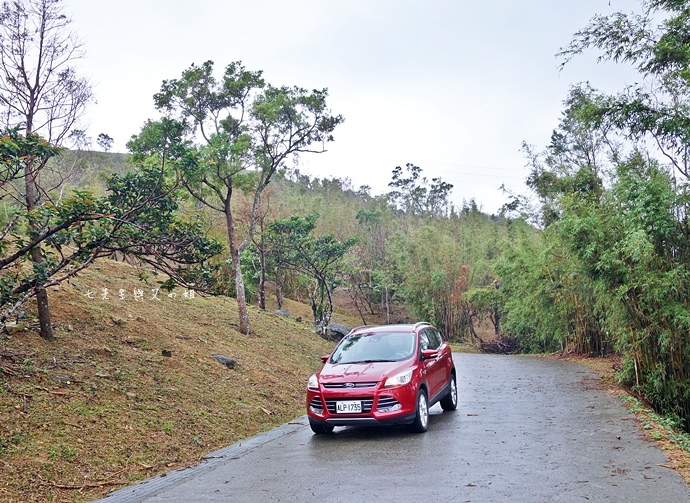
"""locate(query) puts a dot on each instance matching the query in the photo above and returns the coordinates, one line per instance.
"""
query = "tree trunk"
(473, 331)
(314, 310)
(245, 328)
(329, 306)
(42, 306)
(262, 274)
(44, 315)
(366, 296)
(388, 306)
(353, 296)
(279, 294)
(240, 293)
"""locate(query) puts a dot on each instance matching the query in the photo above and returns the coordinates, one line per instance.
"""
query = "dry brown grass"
(106, 406)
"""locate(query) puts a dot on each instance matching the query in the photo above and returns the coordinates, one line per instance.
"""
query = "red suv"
(380, 375)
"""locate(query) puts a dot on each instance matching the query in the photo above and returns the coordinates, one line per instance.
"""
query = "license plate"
(349, 407)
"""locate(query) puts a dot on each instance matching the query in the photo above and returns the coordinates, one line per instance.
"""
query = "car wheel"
(450, 401)
(421, 420)
(320, 429)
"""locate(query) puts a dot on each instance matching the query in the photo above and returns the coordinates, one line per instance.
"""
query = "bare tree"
(41, 92)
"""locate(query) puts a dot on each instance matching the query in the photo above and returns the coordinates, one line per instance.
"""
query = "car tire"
(421, 420)
(450, 401)
(320, 429)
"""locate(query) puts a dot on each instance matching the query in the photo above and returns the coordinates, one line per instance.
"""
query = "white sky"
(453, 86)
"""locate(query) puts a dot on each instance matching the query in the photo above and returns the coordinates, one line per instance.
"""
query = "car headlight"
(398, 380)
(313, 382)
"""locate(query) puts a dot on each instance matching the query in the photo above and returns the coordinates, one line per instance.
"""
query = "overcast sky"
(454, 87)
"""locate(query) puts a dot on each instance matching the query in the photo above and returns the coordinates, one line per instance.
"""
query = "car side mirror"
(428, 354)
(325, 358)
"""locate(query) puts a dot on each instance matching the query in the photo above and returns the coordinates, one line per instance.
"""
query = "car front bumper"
(377, 406)
(362, 421)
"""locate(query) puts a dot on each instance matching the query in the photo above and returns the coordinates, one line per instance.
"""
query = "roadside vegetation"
(608, 272)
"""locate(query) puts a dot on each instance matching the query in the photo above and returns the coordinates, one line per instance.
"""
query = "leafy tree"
(547, 299)
(375, 277)
(138, 217)
(415, 196)
(634, 240)
(612, 272)
(241, 131)
(79, 140)
(105, 142)
(635, 248)
(436, 275)
(658, 108)
(291, 245)
(490, 300)
(371, 254)
(384, 265)
(41, 92)
(617, 239)
(15, 151)
(577, 158)
(265, 213)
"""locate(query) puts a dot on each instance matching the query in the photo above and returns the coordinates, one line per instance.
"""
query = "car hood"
(359, 372)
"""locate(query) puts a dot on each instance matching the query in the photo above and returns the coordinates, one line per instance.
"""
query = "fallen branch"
(501, 345)
(92, 485)
(8, 371)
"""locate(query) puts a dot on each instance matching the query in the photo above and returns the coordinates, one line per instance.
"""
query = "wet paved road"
(526, 430)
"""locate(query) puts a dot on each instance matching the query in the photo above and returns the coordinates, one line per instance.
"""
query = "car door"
(435, 369)
(444, 360)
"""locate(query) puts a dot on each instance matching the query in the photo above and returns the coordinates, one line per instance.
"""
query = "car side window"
(434, 338)
(423, 340)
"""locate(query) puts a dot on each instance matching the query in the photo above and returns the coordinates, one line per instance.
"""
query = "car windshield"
(375, 347)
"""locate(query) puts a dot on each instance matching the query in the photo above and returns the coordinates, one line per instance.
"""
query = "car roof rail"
(359, 328)
(421, 324)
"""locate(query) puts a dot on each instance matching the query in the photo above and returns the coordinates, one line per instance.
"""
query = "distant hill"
(85, 170)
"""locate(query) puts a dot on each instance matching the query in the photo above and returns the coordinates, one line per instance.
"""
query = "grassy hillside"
(85, 170)
(131, 390)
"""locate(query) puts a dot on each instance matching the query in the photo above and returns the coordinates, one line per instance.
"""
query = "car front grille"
(339, 385)
(367, 404)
